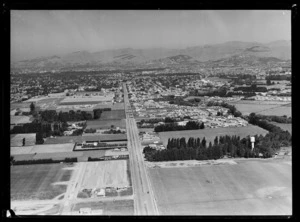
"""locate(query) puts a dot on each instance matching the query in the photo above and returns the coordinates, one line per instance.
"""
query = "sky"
(37, 33)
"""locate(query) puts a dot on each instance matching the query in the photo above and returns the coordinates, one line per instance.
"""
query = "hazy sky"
(37, 33)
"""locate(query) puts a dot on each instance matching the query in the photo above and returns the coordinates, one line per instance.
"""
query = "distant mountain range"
(234, 53)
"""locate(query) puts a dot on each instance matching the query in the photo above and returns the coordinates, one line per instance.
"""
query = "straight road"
(144, 202)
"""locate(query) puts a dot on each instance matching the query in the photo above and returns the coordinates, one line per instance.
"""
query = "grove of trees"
(233, 146)
(252, 88)
(231, 108)
(190, 125)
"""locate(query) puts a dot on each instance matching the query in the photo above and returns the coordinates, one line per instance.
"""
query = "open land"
(113, 114)
(263, 107)
(211, 133)
(24, 104)
(113, 106)
(250, 187)
(33, 182)
(20, 119)
(284, 126)
(105, 174)
(52, 188)
(48, 103)
(17, 139)
(105, 124)
(277, 111)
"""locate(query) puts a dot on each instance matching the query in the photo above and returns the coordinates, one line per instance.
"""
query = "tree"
(32, 107)
(39, 138)
(203, 142)
(216, 141)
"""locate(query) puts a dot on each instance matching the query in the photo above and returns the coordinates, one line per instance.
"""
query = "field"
(24, 104)
(251, 187)
(17, 139)
(105, 174)
(284, 126)
(106, 124)
(117, 207)
(278, 111)
(53, 148)
(115, 106)
(211, 133)
(113, 114)
(263, 107)
(48, 103)
(19, 119)
(35, 181)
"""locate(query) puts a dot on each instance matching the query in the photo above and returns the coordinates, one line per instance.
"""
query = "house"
(101, 192)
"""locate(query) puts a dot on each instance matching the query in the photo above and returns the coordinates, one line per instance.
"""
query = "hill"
(229, 52)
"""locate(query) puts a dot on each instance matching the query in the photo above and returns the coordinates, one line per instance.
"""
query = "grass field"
(277, 111)
(106, 124)
(53, 148)
(19, 105)
(35, 181)
(118, 207)
(263, 107)
(211, 133)
(17, 139)
(251, 187)
(20, 119)
(48, 102)
(284, 126)
(113, 114)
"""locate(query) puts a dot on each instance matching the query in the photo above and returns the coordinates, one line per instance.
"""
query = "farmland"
(106, 124)
(211, 133)
(263, 107)
(113, 114)
(34, 182)
(250, 187)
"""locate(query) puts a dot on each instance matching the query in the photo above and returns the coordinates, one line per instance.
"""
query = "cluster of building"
(208, 115)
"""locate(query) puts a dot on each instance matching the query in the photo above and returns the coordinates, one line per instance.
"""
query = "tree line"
(252, 88)
(190, 125)
(278, 77)
(232, 146)
(273, 118)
